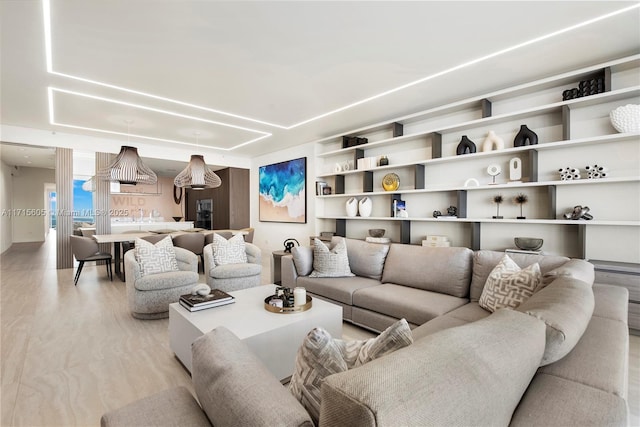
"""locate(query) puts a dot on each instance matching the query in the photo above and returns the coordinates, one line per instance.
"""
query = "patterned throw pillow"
(330, 263)
(320, 356)
(232, 251)
(154, 259)
(508, 286)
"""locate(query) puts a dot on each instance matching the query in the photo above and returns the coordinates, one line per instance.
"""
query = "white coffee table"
(274, 337)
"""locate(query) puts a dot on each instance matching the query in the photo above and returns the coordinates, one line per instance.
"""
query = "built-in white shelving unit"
(421, 149)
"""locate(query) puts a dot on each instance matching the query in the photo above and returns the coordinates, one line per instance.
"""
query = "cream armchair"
(149, 296)
(233, 277)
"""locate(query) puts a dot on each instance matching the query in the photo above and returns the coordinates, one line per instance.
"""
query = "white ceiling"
(254, 77)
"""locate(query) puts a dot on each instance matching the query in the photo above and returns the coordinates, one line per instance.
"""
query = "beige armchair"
(149, 296)
(233, 277)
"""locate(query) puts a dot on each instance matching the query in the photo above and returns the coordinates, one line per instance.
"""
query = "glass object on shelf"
(384, 161)
(391, 182)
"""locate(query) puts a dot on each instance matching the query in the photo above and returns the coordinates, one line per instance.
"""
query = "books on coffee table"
(215, 298)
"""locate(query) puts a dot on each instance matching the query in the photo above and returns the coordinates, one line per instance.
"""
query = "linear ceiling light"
(52, 120)
(49, 60)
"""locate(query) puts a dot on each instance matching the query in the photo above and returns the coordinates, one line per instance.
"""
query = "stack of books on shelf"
(436, 241)
(215, 298)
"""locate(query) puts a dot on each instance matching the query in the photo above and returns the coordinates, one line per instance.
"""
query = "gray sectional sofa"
(558, 359)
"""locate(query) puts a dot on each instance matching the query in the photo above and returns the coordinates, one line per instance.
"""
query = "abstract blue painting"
(283, 191)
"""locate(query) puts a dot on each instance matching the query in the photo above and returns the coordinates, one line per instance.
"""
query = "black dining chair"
(86, 249)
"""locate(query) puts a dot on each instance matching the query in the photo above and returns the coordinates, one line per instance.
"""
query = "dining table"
(119, 241)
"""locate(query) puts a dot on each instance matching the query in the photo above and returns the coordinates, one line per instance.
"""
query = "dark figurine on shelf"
(289, 244)
(521, 199)
(452, 211)
(466, 146)
(525, 137)
(579, 212)
(497, 200)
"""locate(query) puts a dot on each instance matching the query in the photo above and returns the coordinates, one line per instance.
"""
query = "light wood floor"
(68, 354)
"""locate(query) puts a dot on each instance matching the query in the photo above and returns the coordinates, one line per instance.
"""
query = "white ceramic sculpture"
(626, 118)
(364, 207)
(492, 142)
(515, 169)
(352, 207)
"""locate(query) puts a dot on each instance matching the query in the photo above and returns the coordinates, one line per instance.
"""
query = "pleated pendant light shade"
(197, 175)
(127, 168)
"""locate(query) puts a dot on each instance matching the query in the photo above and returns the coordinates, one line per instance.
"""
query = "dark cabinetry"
(230, 200)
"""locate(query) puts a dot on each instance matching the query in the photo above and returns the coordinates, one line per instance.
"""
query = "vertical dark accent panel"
(357, 154)
(339, 184)
(405, 232)
(64, 205)
(551, 201)
(367, 181)
(398, 129)
(419, 177)
(475, 236)
(566, 123)
(486, 108)
(533, 165)
(582, 237)
(341, 227)
(462, 203)
(436, 145)
(394, 197)
(607, 79)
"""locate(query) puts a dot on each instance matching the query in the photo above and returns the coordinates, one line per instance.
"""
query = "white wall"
(269, 236)
(6, 196)
(28, 203)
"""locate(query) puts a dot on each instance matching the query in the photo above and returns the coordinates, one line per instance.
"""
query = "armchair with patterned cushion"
(156, 276)
(231, 265)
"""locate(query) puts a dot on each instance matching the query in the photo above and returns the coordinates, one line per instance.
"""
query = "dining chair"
(86, 249)
(193, 242)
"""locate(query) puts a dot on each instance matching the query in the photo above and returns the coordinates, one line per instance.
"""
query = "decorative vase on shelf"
(466, 146)
(384, 161)
(525, 137)
(515, 169)
(352, 207)
(364, 207)
(626, 118)
(492, 142)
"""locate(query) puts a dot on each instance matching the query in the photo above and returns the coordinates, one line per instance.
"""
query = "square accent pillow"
(330, 263)
(320, 355)
(154, 259)
(232, 251)
(508, 285)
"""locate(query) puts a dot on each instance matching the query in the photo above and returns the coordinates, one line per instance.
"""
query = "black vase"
(466, 146)
(525, 137)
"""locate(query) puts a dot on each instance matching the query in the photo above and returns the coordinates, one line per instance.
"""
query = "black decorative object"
(466, 146)
(436, 214)
(579, 212)
(289, 244)
(521, 199)
(384, 161)
(497, 200)
(451, 211)
(525, 137)
(352, 141)
(585, 88)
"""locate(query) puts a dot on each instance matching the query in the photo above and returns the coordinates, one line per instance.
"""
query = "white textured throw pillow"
(232, 251)
(330, 263)
(320, 355)
(508, 285)
(154, 259)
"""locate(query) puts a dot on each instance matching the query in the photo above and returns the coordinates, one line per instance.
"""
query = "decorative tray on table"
(283, 302)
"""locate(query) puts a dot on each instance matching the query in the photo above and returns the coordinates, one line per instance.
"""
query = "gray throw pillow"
(508, 285)
(154, 259)
(232, 251)
(303, 259)
(320, 355)
(330, 262)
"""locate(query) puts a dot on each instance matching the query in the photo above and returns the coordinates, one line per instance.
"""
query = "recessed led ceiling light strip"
(49, 60)
(52, 120)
